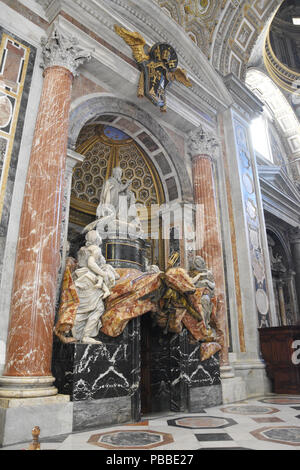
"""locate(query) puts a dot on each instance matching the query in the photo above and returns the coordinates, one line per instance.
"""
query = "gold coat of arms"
(158, 67)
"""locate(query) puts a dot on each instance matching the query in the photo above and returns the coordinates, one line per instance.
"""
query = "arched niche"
(281, 111)
(145, 130)
(90, 116)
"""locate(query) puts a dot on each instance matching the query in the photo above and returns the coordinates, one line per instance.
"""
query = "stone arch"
(284, 116)
(145, 130)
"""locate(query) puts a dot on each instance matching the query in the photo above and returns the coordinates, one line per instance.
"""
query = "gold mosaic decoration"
(199, 18)
(14, 57)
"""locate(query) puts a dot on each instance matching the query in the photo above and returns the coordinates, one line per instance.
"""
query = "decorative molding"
(61, 50)
(245, 100)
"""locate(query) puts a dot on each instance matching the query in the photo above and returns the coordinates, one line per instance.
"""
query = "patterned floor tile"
(291, 400)
(268, 420)
(249, 409)
(127, 439)
(201, 422)
(214, 429)
(289, 435)
(213, 437)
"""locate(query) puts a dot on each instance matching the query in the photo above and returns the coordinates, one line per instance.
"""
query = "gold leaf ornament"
(136, 41)
(181, 76)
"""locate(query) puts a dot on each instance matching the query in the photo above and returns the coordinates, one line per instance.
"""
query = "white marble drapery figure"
(93, 280)
(114, 195)
(116, 214)
(204, 279)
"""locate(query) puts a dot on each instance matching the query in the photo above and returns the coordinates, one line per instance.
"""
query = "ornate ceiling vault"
(225, 30)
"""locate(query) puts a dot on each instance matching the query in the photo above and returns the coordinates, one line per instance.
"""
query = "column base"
(226, 372)
(27, 387)
(18, 416)
(253, 373)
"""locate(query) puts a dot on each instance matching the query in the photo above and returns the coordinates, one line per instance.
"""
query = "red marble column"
(37, 261)
(208, 233)
(29, 343)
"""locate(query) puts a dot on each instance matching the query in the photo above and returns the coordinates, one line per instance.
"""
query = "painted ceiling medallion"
(158, 67)
(196, 7)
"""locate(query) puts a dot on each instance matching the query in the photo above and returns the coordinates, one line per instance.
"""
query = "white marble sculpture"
(116, 212)
(204, 279)
(93, 280)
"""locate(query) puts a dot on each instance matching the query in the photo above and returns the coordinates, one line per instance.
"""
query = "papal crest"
(158, 67)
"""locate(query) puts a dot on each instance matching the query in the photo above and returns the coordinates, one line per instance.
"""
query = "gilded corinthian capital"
(61, 50)
(202, 142)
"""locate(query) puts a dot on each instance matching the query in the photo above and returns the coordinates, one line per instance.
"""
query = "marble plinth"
(177, 374)
(102, 379)
(99, 413)
(233, 389)
(54, 416)
(204, 397)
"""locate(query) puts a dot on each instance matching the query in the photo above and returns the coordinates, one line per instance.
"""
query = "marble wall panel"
(251, 210)
(17, 59)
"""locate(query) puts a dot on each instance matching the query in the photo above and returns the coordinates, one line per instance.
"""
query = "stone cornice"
(284, 203)
(147, 18)
(248, 103)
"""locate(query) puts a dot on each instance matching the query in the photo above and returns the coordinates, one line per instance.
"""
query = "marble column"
(29, 344)
(281, 302)
(294, 236)
(202, 148)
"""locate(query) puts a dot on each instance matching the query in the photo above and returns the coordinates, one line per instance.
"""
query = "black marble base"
(98, 413)
(204, 397)
(179, 381)
(90, 373)
(125, 253)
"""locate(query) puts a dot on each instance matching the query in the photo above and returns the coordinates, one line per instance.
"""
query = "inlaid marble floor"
(266, 423)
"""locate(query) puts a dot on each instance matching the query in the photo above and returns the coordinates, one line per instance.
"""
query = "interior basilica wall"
(204, 133)
(90, 84)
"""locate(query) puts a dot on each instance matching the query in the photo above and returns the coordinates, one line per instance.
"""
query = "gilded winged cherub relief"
(158, 67)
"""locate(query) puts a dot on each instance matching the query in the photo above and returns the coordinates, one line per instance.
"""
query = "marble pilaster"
(29, 345)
